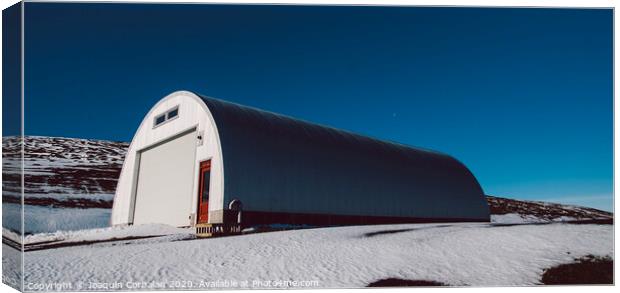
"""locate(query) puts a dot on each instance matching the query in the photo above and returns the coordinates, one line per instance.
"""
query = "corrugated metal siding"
(275, 163)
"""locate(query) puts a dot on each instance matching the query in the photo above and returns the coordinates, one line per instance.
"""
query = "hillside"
(68, 183)
(511, 210)
(63, 172)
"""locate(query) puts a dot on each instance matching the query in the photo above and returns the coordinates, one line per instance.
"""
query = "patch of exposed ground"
(395, 282)
(587, 270)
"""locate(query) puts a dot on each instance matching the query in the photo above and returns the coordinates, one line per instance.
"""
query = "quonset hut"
(195, 159)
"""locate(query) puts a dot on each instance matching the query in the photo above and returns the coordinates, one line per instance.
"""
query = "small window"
(173, 113)
(168, 115)
(160, 119)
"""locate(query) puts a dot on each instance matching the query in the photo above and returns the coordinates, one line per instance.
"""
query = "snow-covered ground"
(354, 256)
(44, 219)
(514, 218)
(102, 234)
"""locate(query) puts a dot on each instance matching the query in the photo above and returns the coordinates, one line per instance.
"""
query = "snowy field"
(514, 218)
(455, 254)
(43, 219)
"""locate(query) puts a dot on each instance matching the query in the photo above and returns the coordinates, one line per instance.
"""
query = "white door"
(165, 179)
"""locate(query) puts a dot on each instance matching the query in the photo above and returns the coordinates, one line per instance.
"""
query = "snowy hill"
(505, 210)
(70, 183)
(64, 172)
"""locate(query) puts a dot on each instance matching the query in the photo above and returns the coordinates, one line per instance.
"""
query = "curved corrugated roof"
(319, 169)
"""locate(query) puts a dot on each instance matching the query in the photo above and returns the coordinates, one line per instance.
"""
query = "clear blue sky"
(522, 96)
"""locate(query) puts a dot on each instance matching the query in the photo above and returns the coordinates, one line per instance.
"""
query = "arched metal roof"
(275, 163)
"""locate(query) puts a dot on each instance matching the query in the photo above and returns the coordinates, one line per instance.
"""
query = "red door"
(203, 192)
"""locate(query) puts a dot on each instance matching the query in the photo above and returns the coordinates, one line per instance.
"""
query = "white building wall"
(193, 113)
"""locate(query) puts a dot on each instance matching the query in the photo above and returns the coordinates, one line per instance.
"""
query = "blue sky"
(522, 96)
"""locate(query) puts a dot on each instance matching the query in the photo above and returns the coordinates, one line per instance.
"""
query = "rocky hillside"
(62, 172)
(538, 211)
